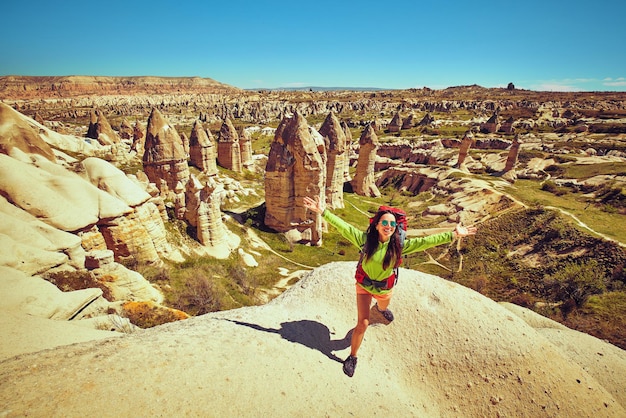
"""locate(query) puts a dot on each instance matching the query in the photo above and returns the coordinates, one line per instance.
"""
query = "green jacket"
(373, 266)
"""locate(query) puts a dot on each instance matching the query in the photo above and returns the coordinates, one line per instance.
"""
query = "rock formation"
(507, 126)
(101, 130)
(228, 151)
(164, 158)
(491, 126)
(78, 222)
(245, 148)
(21, 136)
(346, 173)
(363, 182)
(509, 172)
(395, 124)
(294, 169)
(185, 141)
(411, 180)
(126, 130)
(336, 156)
(408, 122)
(211, 229)
(511, 159)
(138, 144)
(455, 353)
(426, 120)
(165, 165)
(89, 86)
(202, 150)
(466, 143)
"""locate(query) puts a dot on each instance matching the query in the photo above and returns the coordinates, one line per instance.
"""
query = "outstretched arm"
(314, 205)
(462, 231)
(349, 232)
(412, 245)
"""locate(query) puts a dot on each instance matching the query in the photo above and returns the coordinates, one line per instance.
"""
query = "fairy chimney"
(507, 126)
(164, 158)
(203, 202)
(39, 119)
(409, 121)
(100, 129)
(346, 171)
(426, 120)
(138, 139)
(185, 141)
(202, 152)
(245, 147)
(511, 159)
(466, 143)
(336, 155)
(363, 183)
(228, 152)
(491, 126)
(126, 131)
(395, 124)
(295, 169)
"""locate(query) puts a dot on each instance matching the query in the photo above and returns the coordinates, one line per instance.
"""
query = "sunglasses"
(385, 222)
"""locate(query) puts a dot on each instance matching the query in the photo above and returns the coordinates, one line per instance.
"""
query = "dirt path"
(585, 226)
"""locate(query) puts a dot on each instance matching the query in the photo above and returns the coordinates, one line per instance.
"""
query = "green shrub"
(551, 187)
(247, 284)
(199, 296)
(576, 281)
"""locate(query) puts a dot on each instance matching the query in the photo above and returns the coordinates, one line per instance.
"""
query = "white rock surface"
(449, 352)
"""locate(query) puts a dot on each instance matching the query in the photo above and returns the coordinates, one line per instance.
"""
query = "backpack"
(391, 281)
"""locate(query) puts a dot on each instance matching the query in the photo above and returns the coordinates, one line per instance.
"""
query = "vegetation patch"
(148, 315)
(68, 281)
(536, 258)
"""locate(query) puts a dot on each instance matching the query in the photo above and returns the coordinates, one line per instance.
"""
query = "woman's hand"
(313, 205)
(462, 231)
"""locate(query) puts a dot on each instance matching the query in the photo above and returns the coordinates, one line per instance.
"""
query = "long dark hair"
(394, 251)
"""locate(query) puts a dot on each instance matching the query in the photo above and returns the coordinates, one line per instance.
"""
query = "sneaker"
(349, 365)
(386, 313)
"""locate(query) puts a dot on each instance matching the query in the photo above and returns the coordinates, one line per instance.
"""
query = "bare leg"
(363, 303)
(383, 304)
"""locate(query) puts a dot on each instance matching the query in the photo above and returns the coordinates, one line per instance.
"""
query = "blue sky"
(548, 45)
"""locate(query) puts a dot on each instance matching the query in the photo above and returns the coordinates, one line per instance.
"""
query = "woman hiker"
(382, 249)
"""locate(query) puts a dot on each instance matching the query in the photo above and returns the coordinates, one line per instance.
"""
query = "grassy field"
(596, 217)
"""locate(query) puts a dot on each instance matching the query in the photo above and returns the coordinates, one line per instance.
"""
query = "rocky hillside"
(24, 87)
(87, 197)
(449, 352)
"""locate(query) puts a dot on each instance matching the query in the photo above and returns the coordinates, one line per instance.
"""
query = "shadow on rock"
(311, 334)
